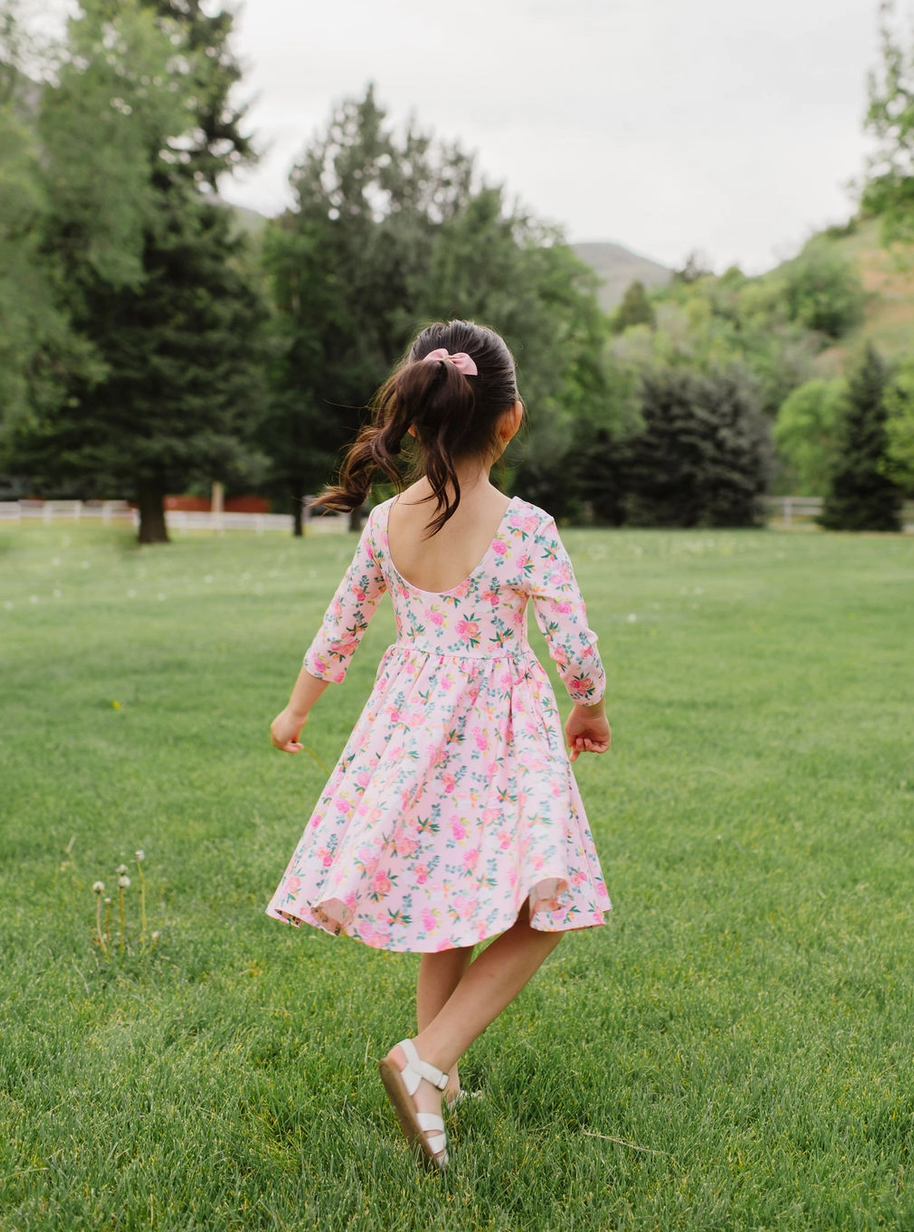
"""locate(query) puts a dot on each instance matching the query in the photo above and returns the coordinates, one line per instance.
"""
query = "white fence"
(803, 508)
(786, 509)
(177, 520)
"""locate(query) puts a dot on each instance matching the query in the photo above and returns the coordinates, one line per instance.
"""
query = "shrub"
(703, 455)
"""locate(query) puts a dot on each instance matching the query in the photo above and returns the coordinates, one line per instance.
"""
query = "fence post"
(788, 510)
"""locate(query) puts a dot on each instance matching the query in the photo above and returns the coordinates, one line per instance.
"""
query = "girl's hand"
(586, 733)
(285, 730)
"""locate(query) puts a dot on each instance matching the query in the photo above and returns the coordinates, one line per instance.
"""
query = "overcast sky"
(666, 125)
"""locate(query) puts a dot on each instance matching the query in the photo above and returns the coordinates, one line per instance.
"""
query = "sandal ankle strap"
(422, 1069)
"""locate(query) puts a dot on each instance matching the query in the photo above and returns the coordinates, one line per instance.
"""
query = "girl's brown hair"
(454, 416)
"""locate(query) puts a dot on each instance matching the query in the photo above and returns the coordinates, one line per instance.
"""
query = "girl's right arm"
(328, 657)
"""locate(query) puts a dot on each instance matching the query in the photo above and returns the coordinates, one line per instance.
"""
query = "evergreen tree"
(862, 495)
(135, 134)
(701, 458)
(635, 309)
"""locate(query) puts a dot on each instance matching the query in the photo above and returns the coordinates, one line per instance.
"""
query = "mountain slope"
(618, 268)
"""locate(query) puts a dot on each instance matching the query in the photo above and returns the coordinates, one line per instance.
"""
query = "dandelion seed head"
(631, 618)
(107, 902)
(98, 887)
(156, 935)
(121, 869)
(140, 856)
(123, 882)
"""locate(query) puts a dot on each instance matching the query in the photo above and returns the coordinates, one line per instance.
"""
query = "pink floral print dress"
(454, 800)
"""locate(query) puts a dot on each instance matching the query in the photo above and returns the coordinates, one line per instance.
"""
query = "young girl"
(452, 815)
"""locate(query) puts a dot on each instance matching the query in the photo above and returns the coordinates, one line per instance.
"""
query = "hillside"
(619, 268)
(888, 279)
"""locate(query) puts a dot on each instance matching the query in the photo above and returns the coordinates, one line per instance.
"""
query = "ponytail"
(453, 415)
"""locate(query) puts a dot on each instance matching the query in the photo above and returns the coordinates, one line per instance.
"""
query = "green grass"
(733, 1052)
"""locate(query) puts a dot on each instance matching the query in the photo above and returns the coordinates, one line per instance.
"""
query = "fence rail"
(177, 520)
(790, 508)
(786, 509)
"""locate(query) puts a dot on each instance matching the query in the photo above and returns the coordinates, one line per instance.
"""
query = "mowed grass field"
(734, 1051)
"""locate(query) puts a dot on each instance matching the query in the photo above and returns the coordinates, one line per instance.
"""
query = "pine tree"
(136, 132)
(635, 309)
(862, 496)
(701, 458)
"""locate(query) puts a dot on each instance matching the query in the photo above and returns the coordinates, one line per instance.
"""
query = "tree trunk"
(298, 507)
(151, 502)
(355, 519)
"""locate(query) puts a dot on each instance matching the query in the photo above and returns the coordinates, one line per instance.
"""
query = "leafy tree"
(701, 458)
(862, 495)
(388, 231)
(635, 309)
(889, 189)
(153, 278)
(823, 291)
(806, 433)
(899, 401)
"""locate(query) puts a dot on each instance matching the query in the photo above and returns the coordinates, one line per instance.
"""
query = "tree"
(823, 291)
(153, 279)
(862, 495)
(390, 230)
(701, 458)
(635, 309)
(889, 188)
(899, 402)
(806, 433)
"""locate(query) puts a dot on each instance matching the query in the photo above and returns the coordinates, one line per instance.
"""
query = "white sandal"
(422, 1129)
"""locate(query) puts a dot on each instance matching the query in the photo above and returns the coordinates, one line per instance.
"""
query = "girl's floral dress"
(454, 800)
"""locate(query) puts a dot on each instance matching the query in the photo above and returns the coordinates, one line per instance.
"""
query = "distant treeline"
(150, 344)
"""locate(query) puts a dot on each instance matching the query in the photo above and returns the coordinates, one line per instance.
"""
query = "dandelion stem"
(107, 924)
(98, 921)
(139, 869)
(120, 897)
(317, 759)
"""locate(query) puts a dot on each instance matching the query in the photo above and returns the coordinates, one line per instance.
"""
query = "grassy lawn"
(733, 1052)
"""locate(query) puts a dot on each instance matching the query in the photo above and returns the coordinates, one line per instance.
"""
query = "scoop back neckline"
(469, 577)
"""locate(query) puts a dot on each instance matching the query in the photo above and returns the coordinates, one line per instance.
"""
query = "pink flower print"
(420, 872)
(448, 782)
(482, 740)
(363, 778)
(436, 618)
(293, 885)
(463, 589)
(360, 596)
(320, 664)
(490, 596)
(468, 630)
(563, 608)
(393, 714)
(325, 856)
(500, 548)
(504, 840)
(381, 884)
(505, 681)
(429, 923)
(470, 858)
(343, 805)
(458, 829)
(582, 684)
(490, 814)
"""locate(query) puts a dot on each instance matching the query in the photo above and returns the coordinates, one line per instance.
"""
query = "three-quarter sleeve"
(559, 610)
(348, 615)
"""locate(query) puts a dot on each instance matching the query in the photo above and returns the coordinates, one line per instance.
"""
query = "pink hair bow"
(462, 362)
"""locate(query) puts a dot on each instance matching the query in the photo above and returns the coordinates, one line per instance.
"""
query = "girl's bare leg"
(439, 975)
(489, 985)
